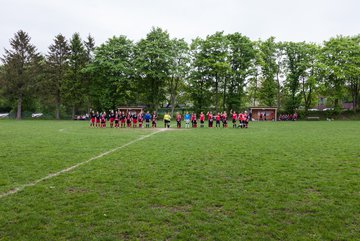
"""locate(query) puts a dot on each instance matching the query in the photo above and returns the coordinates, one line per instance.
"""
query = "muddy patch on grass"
(173, 209)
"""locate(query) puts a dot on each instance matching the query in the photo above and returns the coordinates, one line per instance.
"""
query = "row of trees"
(222, 72)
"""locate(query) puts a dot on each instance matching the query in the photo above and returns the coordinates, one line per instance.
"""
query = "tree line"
(219, 72)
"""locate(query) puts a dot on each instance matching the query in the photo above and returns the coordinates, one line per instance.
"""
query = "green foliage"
(299, 61)
(215, 61)
(220, 72)
(242, 64)
(153, 64)
(269, 68)
(57, 64)
(74, 89)
(199, 86)
(178, 71)
(310, 81)
(20, 70)
(113, 72)
(340, 63)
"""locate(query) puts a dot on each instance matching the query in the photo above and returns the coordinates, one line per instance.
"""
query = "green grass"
(273, 181)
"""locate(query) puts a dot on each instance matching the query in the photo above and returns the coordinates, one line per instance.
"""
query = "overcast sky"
(287, 20)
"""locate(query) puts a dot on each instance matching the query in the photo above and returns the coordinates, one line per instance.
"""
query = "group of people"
(119, 119)
(288, 117)
(218, 118)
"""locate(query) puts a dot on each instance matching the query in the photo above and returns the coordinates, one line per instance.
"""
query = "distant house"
(348, 105)
(323, 104)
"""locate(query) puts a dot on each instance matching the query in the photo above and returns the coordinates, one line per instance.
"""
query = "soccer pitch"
(60, 180)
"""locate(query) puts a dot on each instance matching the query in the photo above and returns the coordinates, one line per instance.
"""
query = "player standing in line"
(154, 119)
(128, 120)
(241, 120)
(202, 119)
(147, 119)
(111, 118)
(134, 120)
(97, 117)
(103, 120)
(209, 116)
(246, 119)
(117, 118)
(193, 120)
(122, 119)
(140, 119)
(210, 119)
(224, 119)
(178, 120)
(218, 118)
(187, 119)
(92, 120)
(234, 118)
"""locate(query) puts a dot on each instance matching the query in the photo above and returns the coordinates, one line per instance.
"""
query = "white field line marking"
(51, 175)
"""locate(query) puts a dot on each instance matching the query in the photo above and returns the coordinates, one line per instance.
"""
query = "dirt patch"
(174, 209)
(76, 190)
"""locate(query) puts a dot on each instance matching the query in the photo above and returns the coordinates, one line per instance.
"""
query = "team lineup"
(121, 119)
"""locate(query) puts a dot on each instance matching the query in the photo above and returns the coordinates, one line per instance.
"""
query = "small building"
(131, 109)
(264, 113)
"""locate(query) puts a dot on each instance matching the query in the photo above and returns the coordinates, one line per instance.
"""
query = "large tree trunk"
(278, 90)
(57, 106)
(256, 88)
(18, 113)
(73, 111)
(307, 99)
(173, 100)
(355, 95)
(224, 95)
(173, 87)
(216, 94)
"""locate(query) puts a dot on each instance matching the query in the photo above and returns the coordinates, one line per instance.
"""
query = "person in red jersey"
(92, 119)
(218, 119)
(140, 119)
(178, 120)
(295, 116)
(111, 118)
(224, 119)
(122, 119)
(154, 119)
(234, 118)
(128, 120)
(210, 119)
(134, 119)
(246, 119)
(202, 119)
(193, 120)
(97, 119)
(117, 118)
(241, 120)
(103, 120)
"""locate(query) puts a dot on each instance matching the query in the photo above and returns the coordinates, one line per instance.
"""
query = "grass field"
(273, 181)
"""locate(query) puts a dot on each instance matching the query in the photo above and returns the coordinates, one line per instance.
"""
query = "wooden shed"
(264, 113)
(131, 109)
